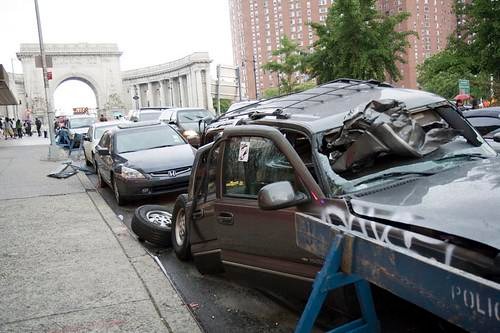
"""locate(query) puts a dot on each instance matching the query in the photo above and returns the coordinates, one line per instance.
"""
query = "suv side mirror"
(102, 151)
(279, 195)
(496, 137)
(86, 137)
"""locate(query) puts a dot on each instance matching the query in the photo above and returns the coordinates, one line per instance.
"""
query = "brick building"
(257, 27)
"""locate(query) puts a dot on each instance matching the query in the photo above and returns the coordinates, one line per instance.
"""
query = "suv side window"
(251, 163)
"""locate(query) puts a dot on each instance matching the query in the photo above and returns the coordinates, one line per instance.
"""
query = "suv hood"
(159, 159)
(462, 201)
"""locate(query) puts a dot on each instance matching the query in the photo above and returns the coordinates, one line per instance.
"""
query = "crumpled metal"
(382, 127)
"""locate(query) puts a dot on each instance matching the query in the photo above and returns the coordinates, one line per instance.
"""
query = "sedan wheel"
(100, 181)
(118, 196)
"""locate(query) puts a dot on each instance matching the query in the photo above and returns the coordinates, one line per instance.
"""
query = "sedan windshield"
(99, 131)
(81, 122)
(147, 138)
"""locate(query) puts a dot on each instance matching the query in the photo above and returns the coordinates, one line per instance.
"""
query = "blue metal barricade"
(462, 298)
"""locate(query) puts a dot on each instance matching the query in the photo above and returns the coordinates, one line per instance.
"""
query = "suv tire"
(152, 223)
(180, 229)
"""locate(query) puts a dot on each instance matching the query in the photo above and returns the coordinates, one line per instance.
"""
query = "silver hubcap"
(180, 227)
(160, 218)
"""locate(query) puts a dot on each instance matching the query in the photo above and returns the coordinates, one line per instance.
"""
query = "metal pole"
(50, 113)
(255, 76)
(238, 77)
(218, 89)
(14, 86)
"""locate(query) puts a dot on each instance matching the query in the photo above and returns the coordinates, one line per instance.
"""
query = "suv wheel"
(152, 223)
(180, 234)
(120, 199)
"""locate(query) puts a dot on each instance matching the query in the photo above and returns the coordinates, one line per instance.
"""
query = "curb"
(169, 305)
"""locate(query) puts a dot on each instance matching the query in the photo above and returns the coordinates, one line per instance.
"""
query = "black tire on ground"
(152, 223)
(100, 181)
(120, 199)
(87, 162)
(180, 229)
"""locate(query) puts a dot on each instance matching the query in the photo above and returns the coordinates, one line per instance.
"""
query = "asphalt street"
(221, 305)
(217, 302)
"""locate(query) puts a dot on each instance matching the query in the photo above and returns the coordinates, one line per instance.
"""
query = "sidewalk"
(67, 263)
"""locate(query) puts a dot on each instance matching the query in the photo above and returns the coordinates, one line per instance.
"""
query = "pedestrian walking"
(8, 131)
(27, 127)
(1, 126)
(19, 128)
(44, 130)
(38, 125)
(102, 118)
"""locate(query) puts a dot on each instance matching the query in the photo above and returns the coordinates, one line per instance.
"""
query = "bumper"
(152, 186)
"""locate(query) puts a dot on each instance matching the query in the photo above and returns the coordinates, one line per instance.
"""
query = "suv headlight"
(129, 173)
(190, 134)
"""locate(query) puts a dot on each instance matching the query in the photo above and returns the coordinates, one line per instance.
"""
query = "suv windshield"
(388, 142)
(147, 138)
(192, 116)
(81, 122)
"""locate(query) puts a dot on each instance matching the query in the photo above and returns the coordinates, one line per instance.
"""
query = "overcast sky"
(149, 32)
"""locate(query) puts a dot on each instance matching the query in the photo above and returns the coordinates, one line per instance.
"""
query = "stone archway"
(98, 65)
(94, 86)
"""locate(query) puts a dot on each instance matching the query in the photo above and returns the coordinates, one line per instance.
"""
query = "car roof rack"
(278, 111)
(139, 124)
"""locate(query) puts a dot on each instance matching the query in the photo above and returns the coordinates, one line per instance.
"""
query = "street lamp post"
(254, 62)
(50, 113)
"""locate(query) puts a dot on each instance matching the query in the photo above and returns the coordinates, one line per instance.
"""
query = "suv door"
(250, 237)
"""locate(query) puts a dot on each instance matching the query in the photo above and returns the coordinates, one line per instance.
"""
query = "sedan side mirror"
(496, 137)
(279, 195)
(102, 151)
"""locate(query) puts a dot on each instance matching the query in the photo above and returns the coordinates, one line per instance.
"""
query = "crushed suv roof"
(331, 100)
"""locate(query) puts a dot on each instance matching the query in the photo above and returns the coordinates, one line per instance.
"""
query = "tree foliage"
(275, 91)
(290, 62)
(481, 30)
(357, 41)
(224, 104)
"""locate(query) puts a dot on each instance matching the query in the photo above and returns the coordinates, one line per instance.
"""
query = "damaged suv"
(360, 154)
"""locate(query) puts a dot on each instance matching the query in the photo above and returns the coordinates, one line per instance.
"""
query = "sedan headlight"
(129, 173)
(190, 134)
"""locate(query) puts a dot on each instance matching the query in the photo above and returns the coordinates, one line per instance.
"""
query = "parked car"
(189, 122)
(92, 137)
(79, 124)
(147, 114)
(143, 159)
(378, 160)
(487, 123)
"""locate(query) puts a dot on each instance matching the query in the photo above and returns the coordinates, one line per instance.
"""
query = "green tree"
(481, 30)
(224, 104)
(358, 42)
(290, 62)
(441, 72)
(274, 91)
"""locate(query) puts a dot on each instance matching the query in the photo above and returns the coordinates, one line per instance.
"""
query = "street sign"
(464, 87)
(38, 61)
(49, 75)
(81, 110)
